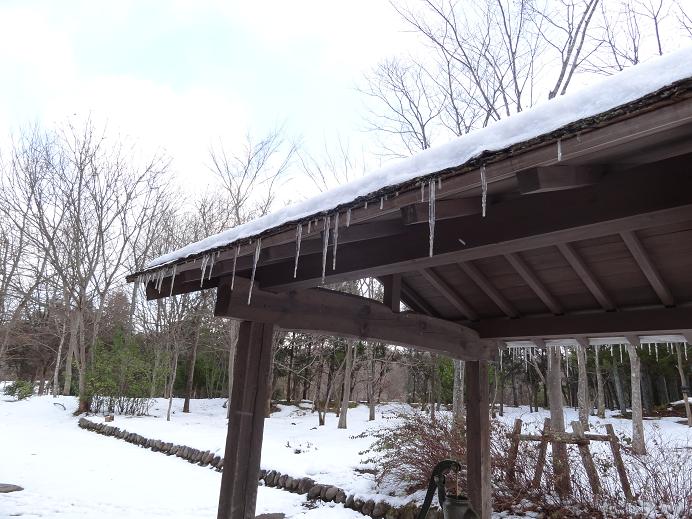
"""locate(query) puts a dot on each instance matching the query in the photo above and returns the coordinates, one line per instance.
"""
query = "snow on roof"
(607, 94)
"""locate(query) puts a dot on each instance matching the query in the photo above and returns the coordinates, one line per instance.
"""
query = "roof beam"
(392, 291)
(536, 285)
(337, 313)
(558, 177)
(414, 301)
(586, 276)
(444, 210)
(488, 288)
(647, 199)
(647, 267)
(449, 293)
(646, 321)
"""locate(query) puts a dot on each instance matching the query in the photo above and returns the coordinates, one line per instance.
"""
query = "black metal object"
(453, 507)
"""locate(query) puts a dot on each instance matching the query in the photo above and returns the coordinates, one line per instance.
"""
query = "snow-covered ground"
(68, 472)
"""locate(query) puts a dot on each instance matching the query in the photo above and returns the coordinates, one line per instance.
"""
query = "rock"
(6, 488)
(368, 507)
(262, 473)
(282, 481)
(305, 485)
(314, 492)
(288, 485)
(270, 516)
(408, 512)
(330, 494)
(271, 477)
(358, 504)
(215, 462)
(109, 418)
(349, 502)
(340, 497)
(380, 509)
(392, 513)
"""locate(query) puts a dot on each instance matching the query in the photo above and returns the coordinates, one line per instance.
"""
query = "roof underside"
(588, 232)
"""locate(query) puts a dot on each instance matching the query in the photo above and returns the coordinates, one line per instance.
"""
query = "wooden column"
(241, 466)
(478, 438)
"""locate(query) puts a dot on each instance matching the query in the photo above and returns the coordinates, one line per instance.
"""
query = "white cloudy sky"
(179, 75)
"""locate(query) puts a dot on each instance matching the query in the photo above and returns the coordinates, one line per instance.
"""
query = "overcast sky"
(180, 75)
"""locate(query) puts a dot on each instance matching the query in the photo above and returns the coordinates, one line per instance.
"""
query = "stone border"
(271, 478)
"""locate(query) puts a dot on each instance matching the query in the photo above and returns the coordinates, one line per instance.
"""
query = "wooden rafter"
(586, 276)
(449, 293)
(536, 284)
(558, 177)
(488, 288)
(647, 267)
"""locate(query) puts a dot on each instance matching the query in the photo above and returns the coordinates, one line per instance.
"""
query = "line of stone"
(271, 478)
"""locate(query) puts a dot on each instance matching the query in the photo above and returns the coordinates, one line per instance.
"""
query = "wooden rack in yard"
(577, 437)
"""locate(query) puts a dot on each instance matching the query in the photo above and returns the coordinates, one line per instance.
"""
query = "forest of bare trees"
(80, 207)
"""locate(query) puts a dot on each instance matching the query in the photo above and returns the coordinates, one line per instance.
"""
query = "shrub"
(20, 389)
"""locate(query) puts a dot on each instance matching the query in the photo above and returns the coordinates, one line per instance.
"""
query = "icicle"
(439, 183)
(564, 353)
(325, 244)
(336, 239)
(685, 348)
(526, 360)
(366, 205)
(299, 236)
(172, 280)
(559, 150)
(656, 352)
(211, 263)
(621, 354)
(611, 352)
(348, 217)
(258, 249)
(484, 190)
(431, 215)
(422, 192)
(203, 267)
(309, 226)
(381, 203)
(649, 349)
(235, 261)
(500, 359)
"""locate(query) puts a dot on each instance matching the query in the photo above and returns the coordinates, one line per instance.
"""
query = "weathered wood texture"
(241, 467)
(346, 315)
(478, 438)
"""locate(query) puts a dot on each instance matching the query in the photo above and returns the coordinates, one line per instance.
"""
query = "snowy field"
(68, 472)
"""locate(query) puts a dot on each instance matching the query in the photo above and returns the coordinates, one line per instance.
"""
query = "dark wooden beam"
(586, 276)
(449, 293)
(488, 288)
(536, 285)
(530, 222)
(417, 303)
(478, 438)
(252, 366)
(558, 177)
(346, 315)
(647, 321)
(444, 210)
(392, 292)
(647, 267)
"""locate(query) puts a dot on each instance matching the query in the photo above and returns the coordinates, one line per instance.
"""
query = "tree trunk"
(174, 369)
(346, 392)
(458, 391)
(557, 422)
(72, 347)
(583, 387)
(56, 372)
(619, 392)
(371, 382)
(638, 445)
(683, 382)
(191, 370)
(600, 397)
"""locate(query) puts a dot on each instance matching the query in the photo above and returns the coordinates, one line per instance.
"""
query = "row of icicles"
(529, 354)
(330, 224)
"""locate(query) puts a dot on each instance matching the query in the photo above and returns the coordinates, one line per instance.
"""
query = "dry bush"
(407, 448)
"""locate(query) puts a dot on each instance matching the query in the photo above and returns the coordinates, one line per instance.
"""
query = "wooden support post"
(619, 465)
(513, 451)
(241, 467)
(586, 458)
(543, 449)
(557, 420)
(478, 438)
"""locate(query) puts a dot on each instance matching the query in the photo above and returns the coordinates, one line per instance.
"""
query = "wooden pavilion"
(587, 234)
